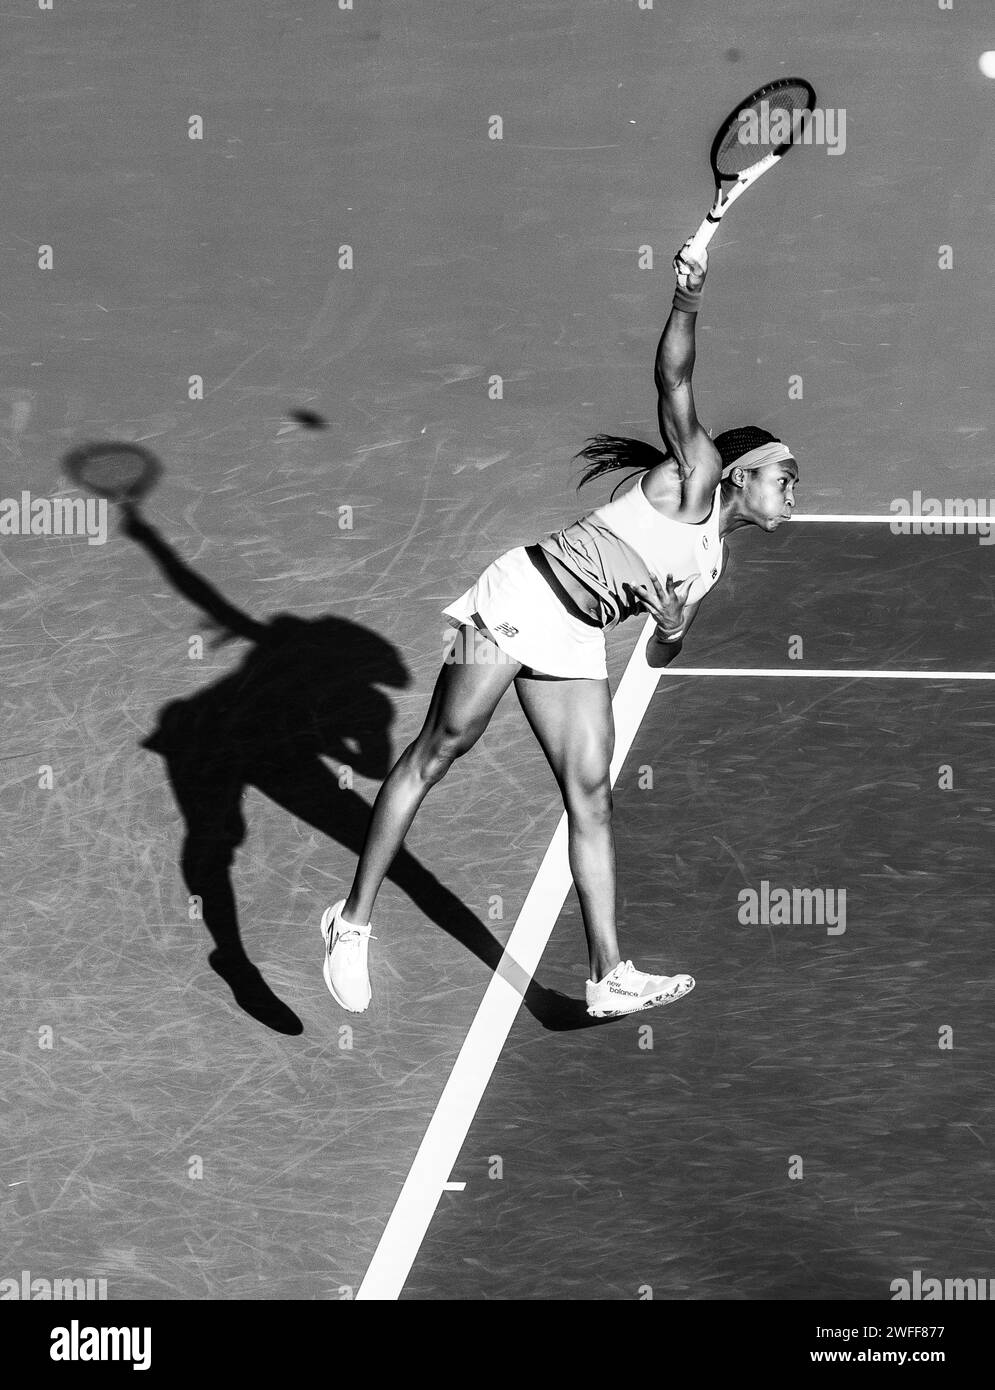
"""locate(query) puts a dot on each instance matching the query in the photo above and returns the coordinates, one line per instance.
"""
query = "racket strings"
(767, 123)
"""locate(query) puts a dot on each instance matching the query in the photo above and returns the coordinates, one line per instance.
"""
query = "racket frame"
(723, 201)
(75, 462)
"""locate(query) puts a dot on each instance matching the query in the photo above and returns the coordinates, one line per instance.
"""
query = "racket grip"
(701, 238)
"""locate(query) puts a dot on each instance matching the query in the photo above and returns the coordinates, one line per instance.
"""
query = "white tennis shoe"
(626, 990)
(346, 967)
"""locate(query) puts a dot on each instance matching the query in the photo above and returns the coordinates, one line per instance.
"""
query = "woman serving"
(537, 617)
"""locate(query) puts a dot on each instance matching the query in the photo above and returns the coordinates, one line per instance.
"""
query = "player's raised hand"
(690, 271)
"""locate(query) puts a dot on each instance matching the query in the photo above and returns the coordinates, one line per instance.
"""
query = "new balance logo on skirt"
(507, 629)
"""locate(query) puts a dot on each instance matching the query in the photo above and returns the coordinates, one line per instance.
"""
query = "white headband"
(756, 458)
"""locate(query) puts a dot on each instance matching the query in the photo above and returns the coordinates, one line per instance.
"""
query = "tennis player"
(538, 616)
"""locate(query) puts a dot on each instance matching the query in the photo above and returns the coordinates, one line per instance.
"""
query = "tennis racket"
(120, 472)
(752, 139)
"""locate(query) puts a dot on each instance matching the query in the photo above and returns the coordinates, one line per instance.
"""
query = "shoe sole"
(325, 927)
(653, 1002)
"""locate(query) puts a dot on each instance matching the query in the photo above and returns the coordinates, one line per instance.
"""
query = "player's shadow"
(306, 689)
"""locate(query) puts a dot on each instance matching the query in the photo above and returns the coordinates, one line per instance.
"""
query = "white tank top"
(627, 540)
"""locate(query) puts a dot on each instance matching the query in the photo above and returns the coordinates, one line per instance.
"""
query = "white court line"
(448, 1127)
(830, 673)
(897, 518)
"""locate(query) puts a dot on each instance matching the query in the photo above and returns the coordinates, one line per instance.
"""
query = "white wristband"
(671, 637)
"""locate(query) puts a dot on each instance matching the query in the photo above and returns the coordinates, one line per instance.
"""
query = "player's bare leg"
(466, 694)
(572, 719)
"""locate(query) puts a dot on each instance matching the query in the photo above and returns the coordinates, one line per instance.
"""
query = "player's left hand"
(667, 602)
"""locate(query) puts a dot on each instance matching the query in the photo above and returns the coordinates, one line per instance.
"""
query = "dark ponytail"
(605, 453)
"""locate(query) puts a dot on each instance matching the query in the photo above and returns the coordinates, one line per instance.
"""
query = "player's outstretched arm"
(697, 458)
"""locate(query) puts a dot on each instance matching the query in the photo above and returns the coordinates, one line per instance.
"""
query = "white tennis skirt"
(529, 623)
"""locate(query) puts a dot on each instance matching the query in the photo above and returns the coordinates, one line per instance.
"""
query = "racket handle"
(701, 238)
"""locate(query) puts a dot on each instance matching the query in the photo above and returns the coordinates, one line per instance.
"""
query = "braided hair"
(605, 453)
(733, 444)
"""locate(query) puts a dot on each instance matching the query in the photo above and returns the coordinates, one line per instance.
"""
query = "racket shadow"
(307, 689)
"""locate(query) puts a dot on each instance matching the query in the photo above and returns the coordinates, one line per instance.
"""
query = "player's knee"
(588, 796)
(443, 746)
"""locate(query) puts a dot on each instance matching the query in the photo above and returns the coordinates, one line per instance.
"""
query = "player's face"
(769, 493)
